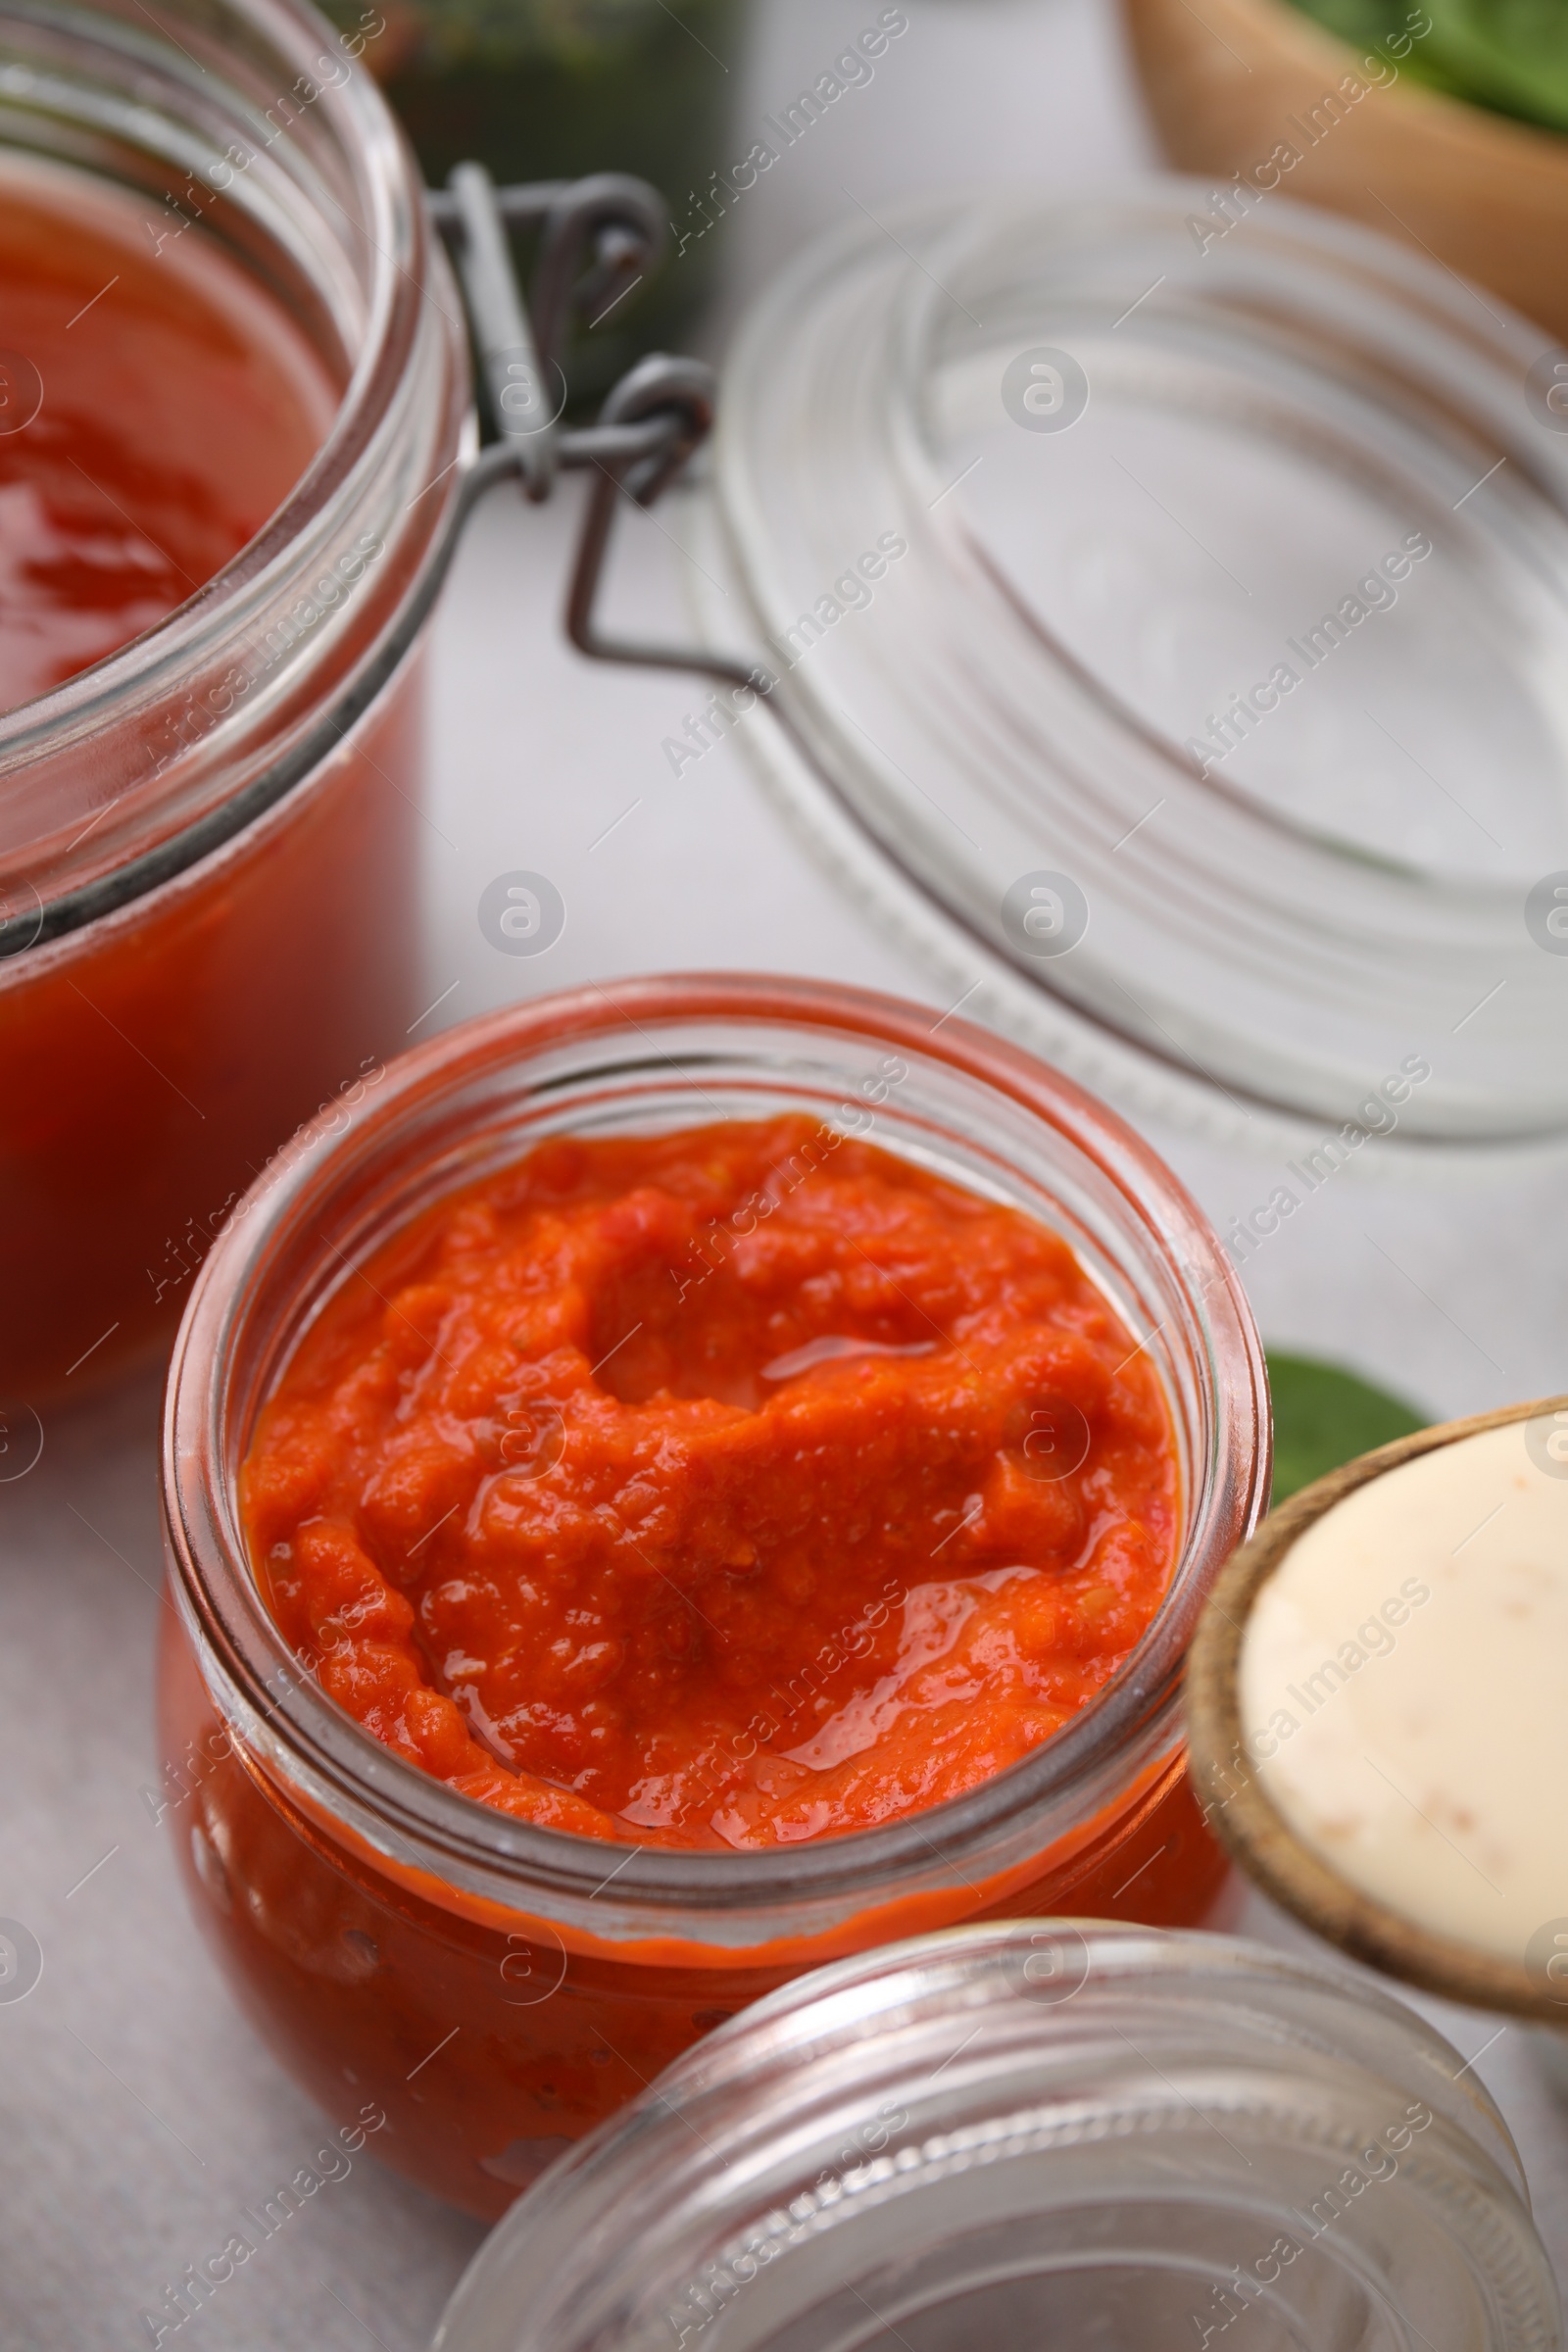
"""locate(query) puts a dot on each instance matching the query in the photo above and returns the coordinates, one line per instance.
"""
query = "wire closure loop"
(654, 419)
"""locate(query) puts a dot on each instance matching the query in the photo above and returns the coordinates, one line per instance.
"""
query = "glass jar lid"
(1030, 2134)
(1171, 594)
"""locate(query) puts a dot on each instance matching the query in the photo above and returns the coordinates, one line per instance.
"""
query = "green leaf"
(1511, 56)
(1324, 1416)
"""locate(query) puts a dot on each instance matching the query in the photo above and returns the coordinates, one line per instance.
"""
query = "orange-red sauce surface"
(156, 407)
(724, 1488)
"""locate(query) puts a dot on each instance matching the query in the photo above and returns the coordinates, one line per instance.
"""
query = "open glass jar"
(207, 839)
(1049, 2134)
(500, 1987)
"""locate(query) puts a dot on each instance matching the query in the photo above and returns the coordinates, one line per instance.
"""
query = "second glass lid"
(1175, 600)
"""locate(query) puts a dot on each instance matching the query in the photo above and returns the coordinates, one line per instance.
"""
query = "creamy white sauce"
(1403, 1687)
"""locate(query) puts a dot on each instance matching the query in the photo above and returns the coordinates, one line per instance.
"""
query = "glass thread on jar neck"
(1039, 2123)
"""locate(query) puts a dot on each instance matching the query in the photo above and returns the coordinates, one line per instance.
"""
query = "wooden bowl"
(1238, 1809)
(1482, 194)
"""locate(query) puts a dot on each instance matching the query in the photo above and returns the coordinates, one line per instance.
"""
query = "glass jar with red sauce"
(232, 400)
(499, 1987)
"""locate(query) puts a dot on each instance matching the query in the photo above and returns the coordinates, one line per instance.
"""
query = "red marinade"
(722, 1488)
(156, 409)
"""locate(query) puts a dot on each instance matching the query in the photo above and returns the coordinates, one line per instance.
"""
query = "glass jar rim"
(238, 1640)
(185, 105)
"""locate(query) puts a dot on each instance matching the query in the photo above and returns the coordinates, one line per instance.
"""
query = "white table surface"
(138, 2114)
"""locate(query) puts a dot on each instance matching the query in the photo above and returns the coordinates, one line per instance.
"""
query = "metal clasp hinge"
(656, 417)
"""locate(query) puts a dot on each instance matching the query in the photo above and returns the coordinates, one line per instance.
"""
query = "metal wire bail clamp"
(653, 420)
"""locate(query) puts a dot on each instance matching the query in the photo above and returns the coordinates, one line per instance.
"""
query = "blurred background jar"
(209, 834)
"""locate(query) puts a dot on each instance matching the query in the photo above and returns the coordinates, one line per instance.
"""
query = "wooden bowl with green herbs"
(1443, 123)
